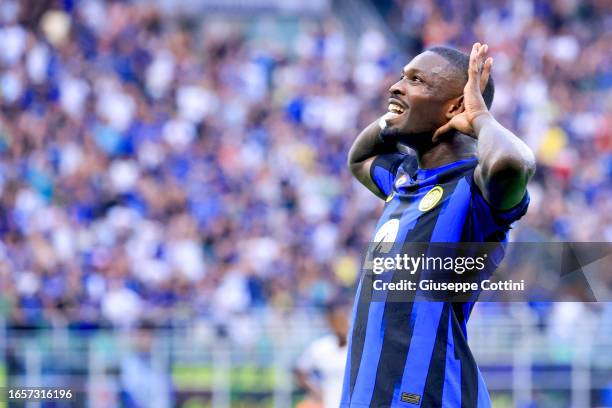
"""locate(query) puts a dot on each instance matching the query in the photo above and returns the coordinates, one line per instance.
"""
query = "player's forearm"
(367, 145)
(506, 162)
(307, 385)
(499, 148)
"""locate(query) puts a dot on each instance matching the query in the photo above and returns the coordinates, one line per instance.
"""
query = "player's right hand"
(473, 103)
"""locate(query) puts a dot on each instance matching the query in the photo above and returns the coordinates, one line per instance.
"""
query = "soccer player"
(467, 182)
(319, 369)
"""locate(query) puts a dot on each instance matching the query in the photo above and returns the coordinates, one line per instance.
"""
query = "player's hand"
(473, 102)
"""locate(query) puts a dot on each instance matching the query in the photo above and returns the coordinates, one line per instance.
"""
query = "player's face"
(338, 322)
(420, 100)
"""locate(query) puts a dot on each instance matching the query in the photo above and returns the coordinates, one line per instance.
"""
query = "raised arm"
(364, 151)
(505, 163)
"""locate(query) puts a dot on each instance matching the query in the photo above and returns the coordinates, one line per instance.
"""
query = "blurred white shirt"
(327, 358)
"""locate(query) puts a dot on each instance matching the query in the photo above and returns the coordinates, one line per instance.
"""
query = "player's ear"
(455, 107)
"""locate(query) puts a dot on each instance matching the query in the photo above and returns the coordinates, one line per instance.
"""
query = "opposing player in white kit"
(320, 369)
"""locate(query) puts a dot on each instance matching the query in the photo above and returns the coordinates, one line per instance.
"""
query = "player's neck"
(457, 148)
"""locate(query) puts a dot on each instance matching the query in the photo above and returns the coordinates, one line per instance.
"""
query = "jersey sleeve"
(384, 169)
(307, 362)
(488, 220)
(314, 357)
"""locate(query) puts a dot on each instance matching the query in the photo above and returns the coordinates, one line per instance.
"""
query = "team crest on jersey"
(385, 236)
(432, 198)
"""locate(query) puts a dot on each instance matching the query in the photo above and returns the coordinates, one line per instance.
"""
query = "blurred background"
(175, 209)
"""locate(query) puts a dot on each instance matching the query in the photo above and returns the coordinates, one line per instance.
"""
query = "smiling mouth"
(395, 108)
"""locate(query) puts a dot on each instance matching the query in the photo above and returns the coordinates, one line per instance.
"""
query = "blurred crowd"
(172, 168)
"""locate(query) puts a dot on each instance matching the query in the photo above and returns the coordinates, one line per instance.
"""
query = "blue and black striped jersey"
(415, 353)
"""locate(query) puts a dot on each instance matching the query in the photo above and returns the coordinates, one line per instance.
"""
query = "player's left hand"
(473, 102)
